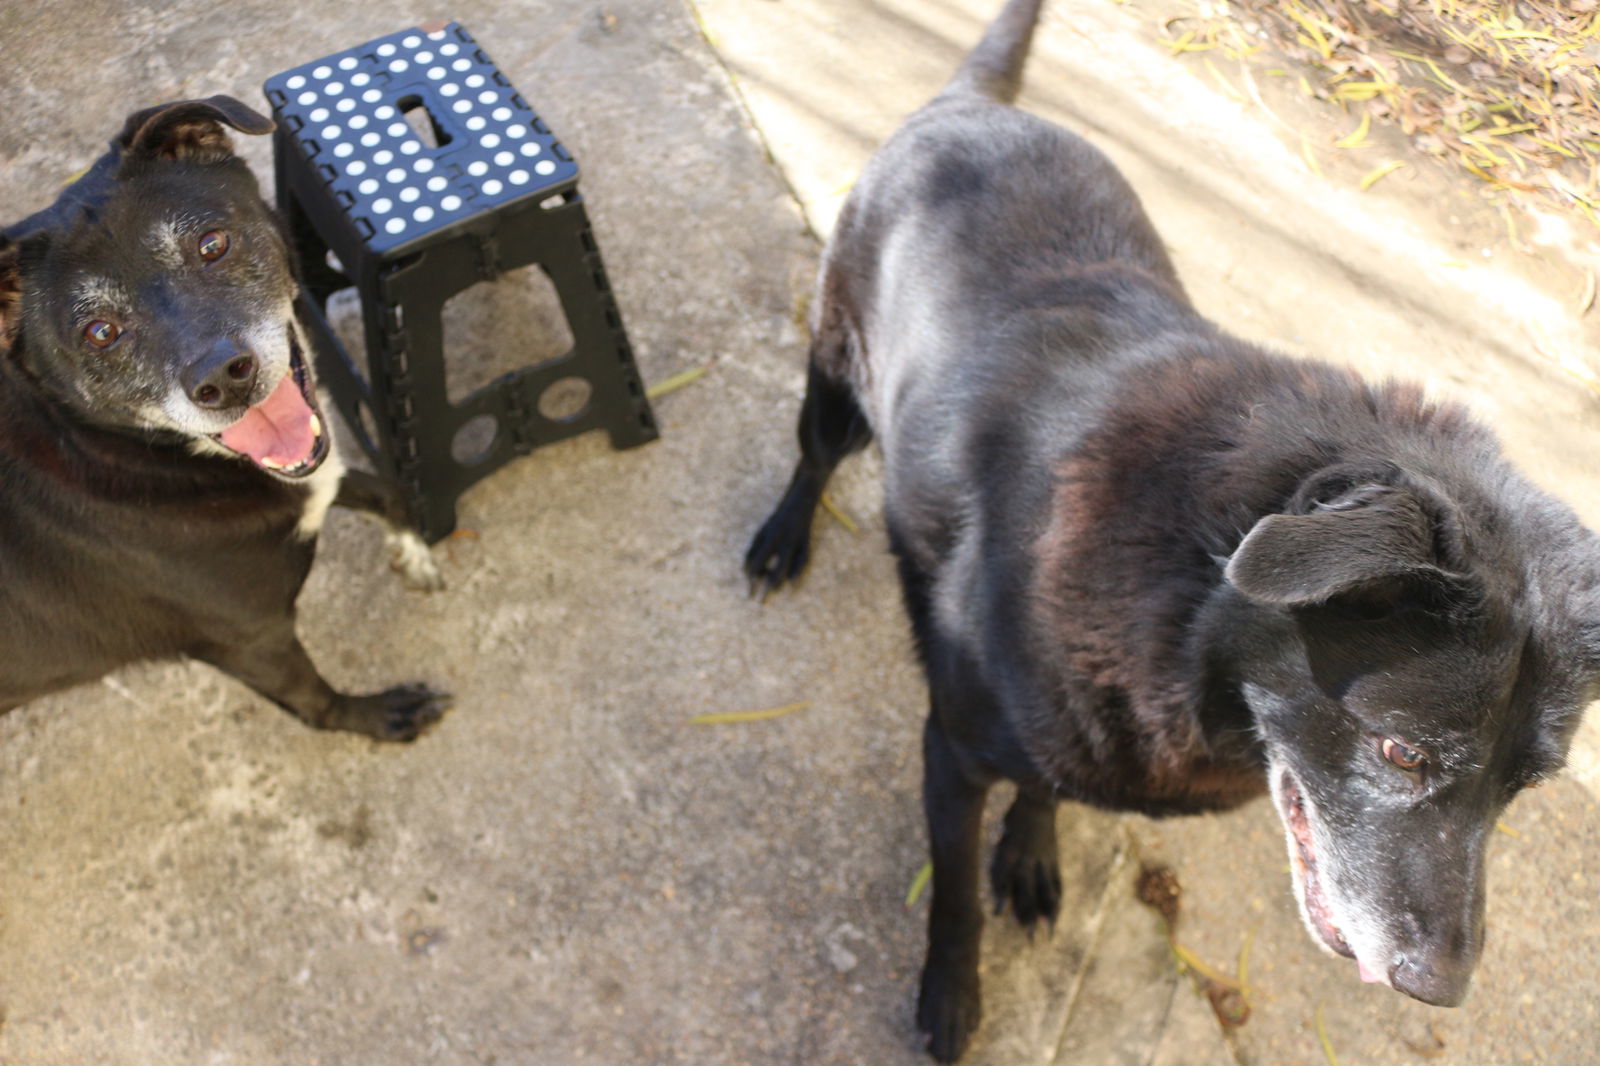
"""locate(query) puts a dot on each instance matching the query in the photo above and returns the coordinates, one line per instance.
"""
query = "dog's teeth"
(270, 464)
(316, 424)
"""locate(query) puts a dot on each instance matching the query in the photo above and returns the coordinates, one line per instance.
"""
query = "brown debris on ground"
(1158, 888)
(1508, 90)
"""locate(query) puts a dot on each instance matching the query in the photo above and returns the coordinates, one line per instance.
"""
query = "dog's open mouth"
(283, 434)
(1303, 856)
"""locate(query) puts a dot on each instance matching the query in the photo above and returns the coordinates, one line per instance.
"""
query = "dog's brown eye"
(101, 334)
(213, 245)
(1408, 759)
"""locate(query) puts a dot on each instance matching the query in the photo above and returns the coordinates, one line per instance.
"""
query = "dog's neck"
(1135, 608)
(121, 464)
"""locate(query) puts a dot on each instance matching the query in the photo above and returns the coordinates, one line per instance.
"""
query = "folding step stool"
(416, 208)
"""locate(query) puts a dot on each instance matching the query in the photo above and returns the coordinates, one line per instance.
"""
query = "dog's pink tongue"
(277, 430)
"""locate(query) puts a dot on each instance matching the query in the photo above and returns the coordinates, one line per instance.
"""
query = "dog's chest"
(323, 486)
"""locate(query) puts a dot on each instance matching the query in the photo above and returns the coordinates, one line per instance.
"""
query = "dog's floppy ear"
(1367, 540)
(190, 130)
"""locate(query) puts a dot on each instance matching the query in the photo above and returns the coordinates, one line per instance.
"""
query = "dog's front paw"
(949, 1006)
(401, 713)
(1027, 874)
(782, 547)
(410, 558)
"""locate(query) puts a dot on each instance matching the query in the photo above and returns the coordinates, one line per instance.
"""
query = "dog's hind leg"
(408, 553)
(277, 666)
(949, 1005)
(832, 426)
(1026, 870)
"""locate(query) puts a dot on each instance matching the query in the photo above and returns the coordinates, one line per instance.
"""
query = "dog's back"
(979, 236)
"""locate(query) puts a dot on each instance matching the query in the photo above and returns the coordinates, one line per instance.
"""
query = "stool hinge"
(517, 408)
(488, 257)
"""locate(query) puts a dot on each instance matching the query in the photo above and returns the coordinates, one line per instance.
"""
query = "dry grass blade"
(1185, 43)
(1227, 86)
(1359, 134)
(1228, 997)
(918, 883)
(1317, 40)
(1195, 963)
(1378, 174)
(675, 382)
(1310, 157)
(1322, 1037)
(1244, 965)
(727, 717)
(839, 514)
(1507, 830)
(1361, 91)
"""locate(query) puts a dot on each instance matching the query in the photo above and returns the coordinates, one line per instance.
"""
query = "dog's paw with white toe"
(410, 557)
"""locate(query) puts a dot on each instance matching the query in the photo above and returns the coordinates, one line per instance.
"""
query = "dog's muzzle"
(284, 434)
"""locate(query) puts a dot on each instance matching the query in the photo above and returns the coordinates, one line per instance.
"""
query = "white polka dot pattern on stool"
(416, 131)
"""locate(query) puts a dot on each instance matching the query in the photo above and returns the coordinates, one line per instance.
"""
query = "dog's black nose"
(224, 378)
(1442, 981)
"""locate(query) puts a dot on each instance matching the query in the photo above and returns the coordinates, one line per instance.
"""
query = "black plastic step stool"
(417, 207)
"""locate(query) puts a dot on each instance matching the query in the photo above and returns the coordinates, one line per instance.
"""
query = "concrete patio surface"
(566, 870)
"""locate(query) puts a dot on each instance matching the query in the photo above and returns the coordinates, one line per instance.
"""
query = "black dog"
(1153, 568)
(164, 467)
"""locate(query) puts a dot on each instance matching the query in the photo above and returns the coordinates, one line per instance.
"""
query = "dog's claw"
(781, 549)
(412, 710)
(399, 714)
(769, 565)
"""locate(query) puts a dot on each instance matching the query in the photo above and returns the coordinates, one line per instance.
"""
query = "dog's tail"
(994, 67)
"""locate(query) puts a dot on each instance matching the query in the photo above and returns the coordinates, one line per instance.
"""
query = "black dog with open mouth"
(164, 463)
(1153, 568)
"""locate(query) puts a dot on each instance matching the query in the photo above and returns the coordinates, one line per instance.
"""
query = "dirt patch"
(1502, 98)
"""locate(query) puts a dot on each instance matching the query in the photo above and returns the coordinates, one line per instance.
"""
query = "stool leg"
(406, 340)
(596, 323)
